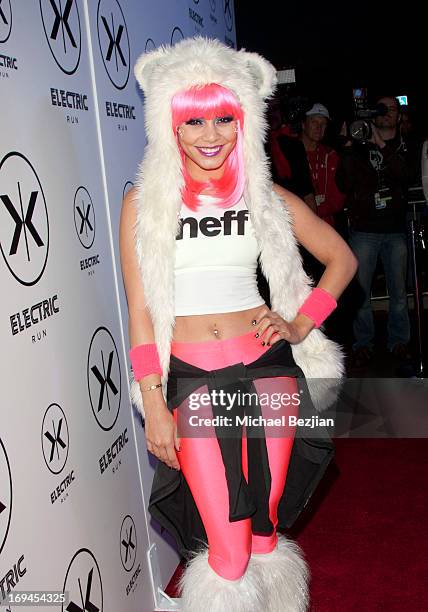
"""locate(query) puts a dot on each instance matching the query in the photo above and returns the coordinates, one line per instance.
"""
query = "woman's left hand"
(271, 328)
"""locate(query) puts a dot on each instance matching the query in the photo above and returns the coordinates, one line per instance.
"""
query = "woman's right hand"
(161, 433)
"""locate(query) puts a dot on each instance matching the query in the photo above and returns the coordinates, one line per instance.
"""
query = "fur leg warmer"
(203, 589)
(285, 575)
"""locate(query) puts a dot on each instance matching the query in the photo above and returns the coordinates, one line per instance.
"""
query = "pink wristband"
(318, 305)
(145, 360)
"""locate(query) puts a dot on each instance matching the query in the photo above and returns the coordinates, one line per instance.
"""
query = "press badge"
(381, 198)
(319, 199)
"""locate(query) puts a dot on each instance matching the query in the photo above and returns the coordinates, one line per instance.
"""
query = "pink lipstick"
(210, 151)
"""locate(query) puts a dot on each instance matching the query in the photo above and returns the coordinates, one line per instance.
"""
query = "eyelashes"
(224, 120)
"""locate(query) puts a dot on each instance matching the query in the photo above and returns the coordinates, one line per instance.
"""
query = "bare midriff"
(203, 328)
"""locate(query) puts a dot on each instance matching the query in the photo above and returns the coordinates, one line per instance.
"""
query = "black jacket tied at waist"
(308, 461)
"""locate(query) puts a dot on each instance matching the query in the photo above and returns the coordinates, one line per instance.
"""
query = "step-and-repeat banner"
(75, 475)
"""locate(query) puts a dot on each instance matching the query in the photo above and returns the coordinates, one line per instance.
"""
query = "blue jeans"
(393, 253)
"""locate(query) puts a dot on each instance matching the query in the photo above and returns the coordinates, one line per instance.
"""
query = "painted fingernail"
(254, 322)
(257, 335)
(263, 343)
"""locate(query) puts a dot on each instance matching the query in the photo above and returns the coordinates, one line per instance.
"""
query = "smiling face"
(208, 123)
(206, 144)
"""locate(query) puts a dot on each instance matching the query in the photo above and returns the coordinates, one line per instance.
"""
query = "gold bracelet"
(152, 387)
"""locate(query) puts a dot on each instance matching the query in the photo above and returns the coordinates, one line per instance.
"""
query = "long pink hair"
(211, 101)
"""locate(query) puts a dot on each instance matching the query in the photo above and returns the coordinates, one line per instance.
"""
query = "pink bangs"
(211, 101)
(207, 101)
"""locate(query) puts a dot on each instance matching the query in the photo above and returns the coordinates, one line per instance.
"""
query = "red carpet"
(365, 536)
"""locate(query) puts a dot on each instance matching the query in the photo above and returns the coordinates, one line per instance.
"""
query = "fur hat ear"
(146, 64)
(262, 71)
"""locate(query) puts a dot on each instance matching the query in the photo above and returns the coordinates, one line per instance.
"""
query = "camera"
(360, 129)
(293, 105)
(294, 108)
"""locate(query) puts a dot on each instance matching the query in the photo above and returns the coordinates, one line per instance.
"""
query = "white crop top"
(216, 260)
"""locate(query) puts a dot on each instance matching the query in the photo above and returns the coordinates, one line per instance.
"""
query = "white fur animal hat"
(161, 74)
(200, 61)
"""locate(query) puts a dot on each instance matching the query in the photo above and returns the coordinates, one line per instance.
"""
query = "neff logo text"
(230, 223)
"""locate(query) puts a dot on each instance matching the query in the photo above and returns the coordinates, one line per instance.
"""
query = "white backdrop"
(75, 475)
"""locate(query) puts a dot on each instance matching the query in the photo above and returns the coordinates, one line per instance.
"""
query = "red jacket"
(323, 163)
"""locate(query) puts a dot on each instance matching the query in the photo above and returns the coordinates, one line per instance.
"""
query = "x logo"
(105, 380)
(21, 223)
(62, 19)
(55, 440)
(128, 544)
(85, 218)
(87, 605)
(114, 41)
(2, 15)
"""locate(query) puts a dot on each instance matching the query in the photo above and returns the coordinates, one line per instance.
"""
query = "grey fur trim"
(203, 589)
(285, 576)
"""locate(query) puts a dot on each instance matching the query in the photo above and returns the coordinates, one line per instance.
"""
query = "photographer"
(375, 175)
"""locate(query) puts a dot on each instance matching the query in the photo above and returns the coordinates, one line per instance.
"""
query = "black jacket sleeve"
(345, 171)
(300, 182)
(401, 161)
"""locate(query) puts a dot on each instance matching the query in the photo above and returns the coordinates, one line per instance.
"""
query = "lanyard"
(315, 173)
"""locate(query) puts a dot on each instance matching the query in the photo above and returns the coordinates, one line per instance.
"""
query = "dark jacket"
(290, 167)
(363, 171)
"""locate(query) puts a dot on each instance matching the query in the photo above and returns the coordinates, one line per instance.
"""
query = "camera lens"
(360, 130)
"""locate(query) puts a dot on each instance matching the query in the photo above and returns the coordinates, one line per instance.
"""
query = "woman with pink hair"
(219, 373)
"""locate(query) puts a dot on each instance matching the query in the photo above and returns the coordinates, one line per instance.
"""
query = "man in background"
(289, 164)
(375, 176)
(323, 161)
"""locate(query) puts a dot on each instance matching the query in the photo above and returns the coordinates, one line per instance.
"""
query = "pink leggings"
(230, 544)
